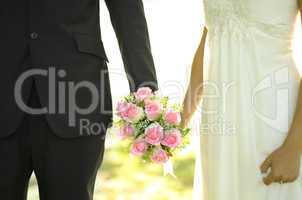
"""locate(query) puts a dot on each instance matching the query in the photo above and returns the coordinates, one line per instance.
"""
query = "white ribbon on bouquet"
(168, 169)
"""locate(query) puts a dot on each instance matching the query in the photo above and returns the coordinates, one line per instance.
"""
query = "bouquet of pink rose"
(152, 126)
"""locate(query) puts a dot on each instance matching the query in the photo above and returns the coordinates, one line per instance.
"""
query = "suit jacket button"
(34, 36)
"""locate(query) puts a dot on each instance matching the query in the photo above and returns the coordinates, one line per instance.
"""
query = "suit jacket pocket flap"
(91, 45)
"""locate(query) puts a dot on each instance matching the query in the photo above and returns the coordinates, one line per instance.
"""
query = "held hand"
(284, 165)
(184, 120)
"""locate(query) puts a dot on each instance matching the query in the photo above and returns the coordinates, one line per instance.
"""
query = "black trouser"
(65, 168)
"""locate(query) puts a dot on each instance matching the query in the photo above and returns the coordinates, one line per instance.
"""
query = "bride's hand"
(184, 120)
(284, 165)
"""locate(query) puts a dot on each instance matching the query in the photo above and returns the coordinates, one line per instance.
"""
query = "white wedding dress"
(250, 93)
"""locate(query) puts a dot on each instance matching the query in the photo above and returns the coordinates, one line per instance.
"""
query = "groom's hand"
(283, 166)
(129, 22)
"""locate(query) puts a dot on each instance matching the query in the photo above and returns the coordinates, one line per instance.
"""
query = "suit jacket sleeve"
(129, 23)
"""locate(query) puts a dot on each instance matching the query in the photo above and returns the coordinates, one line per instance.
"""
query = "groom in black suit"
(56, 102)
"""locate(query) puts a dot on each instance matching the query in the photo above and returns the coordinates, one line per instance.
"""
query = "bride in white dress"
(251, 130)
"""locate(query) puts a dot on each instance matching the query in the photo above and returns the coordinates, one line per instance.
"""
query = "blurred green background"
(124, 178)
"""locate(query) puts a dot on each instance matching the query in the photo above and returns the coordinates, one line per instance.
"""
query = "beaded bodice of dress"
(242, 17)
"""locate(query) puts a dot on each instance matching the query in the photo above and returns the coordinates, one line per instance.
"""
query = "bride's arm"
(294, 139)
(285, 161)
(194, 91)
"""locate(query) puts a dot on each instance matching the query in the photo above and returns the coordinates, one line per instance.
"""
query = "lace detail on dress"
(231, 17)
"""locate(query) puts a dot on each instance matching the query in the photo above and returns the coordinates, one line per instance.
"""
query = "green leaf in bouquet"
(177, 107)
(168, 150)
(141, 126)
(138, 134)
(118, 122)
(169, 126)
(185, 131)
(141, 104)
(185, 142)
(147, 155)
(130, 98)
(161, 121)
(164, 101)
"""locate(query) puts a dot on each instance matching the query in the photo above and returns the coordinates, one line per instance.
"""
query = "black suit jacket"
(54, 35)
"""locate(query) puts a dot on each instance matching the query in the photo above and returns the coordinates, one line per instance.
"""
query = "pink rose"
(139, 147)
(154, 134)
(126, 131)
(153, 109)
(131, 112)
(172, 117)
(121, 108)
(159, 156)
(134, 113)
(143, 93)
(172, 138)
